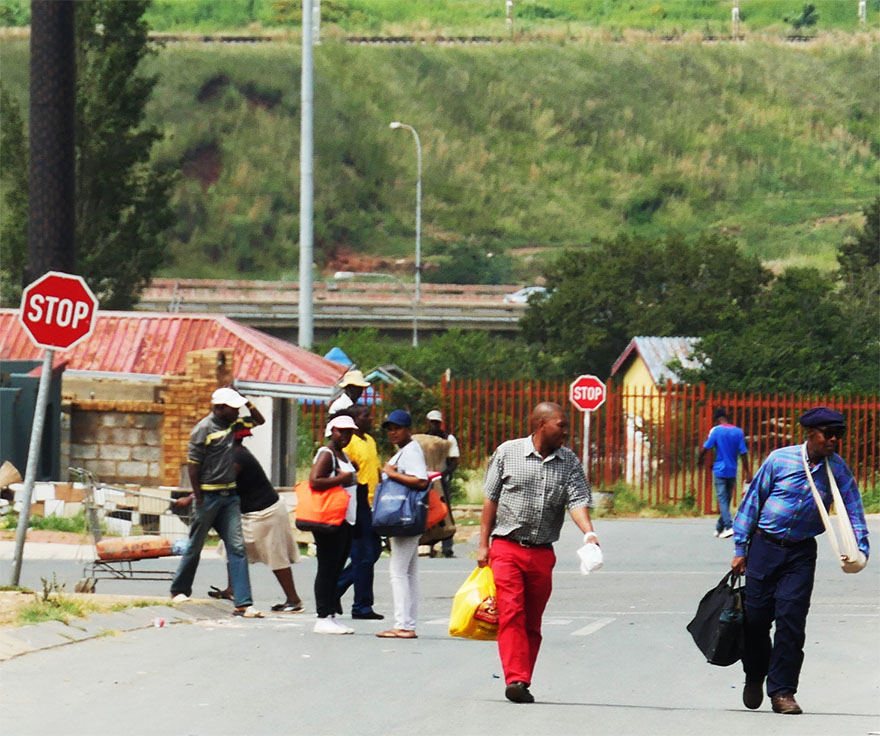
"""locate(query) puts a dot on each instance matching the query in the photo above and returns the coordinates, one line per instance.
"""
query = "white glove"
(591, 558)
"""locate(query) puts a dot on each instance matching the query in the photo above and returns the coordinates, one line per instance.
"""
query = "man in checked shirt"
(529, 483)
(774, 540)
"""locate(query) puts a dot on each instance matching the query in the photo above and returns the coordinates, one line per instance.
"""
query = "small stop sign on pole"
(587, 393)
(58, 310)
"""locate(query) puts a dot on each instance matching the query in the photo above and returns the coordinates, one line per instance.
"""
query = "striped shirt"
(532, 492)
(780, 502)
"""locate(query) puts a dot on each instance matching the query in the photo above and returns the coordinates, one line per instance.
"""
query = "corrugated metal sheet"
(657, 352)
(157, 344)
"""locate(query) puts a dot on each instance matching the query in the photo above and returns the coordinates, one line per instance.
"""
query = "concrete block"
(132, 469)
(38, 636)
(110, 419)
(71, 509)
(11, 647)
(126, 436)
(146, 453)
(54, 507)
(115, 452)
(105, 468)
(147, 421)
(82, 451)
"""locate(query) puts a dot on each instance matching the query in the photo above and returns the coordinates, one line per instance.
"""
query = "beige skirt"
(268, 537)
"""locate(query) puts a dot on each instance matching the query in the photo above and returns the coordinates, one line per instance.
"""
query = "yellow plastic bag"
(474, 614)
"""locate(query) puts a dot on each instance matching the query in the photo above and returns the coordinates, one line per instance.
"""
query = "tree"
(14, 198)
(122, 199)
(796, 340)
(604, 295)
(859, 255)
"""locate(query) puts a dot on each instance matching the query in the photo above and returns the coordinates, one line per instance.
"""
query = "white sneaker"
(715, 533)
(727, 533)
(180, 598)
(330, 625)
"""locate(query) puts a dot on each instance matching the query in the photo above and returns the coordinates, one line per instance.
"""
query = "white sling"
(850, 559)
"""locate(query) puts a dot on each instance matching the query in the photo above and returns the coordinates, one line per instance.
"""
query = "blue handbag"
(399, 511)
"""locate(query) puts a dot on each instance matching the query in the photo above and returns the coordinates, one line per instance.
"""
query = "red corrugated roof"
(157, 344)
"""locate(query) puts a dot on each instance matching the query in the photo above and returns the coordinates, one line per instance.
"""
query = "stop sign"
(58, 310)
(587, 393)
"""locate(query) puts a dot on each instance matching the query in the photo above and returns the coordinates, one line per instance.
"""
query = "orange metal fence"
(646, 439)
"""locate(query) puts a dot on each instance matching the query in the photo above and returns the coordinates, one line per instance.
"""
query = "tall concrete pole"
(306, 182)
(51, 128)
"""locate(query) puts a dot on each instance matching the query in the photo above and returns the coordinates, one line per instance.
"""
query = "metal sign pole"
(24, 515)
(586, 457)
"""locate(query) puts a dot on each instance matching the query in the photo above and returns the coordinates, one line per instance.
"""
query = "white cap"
(435, 416)
(343, 421)
(228, 397)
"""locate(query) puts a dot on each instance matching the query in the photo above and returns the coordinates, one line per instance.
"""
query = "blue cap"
(398, 417)
(822, 416)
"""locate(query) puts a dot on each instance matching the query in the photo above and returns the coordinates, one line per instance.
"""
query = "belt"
(781, 542)
(525, 543)
(221, 492)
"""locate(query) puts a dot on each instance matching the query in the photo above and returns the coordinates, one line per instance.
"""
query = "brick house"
(133, 390)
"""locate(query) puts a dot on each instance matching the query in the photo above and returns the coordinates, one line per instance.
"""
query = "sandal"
(288, 607)
(397, 634)
(249, 612)
(215, 592)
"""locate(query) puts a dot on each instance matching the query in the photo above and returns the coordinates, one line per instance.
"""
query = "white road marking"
(593, 627)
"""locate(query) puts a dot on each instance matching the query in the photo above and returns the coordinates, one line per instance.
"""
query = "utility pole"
(306, 182)
(51, 132)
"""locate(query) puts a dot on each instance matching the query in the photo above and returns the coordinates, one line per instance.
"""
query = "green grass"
(486, 17)
(57, 608)
(871, 500)
(76, 524)
(545, 144)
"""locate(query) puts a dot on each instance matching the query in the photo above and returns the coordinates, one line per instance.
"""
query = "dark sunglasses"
(832, 432)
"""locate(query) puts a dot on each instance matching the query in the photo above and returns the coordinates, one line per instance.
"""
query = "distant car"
(522, 296)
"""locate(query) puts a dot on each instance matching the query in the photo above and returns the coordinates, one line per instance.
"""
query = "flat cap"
(822, 416)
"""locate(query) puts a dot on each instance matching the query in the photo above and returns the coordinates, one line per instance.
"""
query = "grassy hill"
(525, 146)
(570, 18)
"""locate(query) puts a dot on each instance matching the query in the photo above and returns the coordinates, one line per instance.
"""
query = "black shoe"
(753, 694)
(448, 553)
(518, 692)
(369, 615)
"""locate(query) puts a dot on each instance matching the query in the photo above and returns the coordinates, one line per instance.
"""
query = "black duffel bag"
(718, 627)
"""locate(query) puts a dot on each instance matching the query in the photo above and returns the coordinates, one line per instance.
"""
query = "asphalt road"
(616, 658)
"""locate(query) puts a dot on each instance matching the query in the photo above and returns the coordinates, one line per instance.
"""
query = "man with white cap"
(352, 385)
(217, 504)
(774, 539)
(435, 429)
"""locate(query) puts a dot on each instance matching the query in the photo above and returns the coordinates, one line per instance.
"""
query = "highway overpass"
(273, 306)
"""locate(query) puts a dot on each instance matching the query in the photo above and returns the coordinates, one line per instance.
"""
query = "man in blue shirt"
(774, 538)
(729, 442)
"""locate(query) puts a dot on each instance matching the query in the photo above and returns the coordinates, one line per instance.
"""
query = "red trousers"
(523, 579)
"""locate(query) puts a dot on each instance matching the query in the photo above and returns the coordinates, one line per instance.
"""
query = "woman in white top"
(408, 468)
(331, 467)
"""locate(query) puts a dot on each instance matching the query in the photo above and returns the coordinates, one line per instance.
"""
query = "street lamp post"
(351, 275)
(394, 126)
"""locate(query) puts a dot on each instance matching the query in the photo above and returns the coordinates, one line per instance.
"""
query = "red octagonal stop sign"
(587, 393)
(58, 310)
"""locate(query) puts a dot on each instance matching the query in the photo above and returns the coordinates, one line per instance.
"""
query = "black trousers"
(332, 551)
(779, 584)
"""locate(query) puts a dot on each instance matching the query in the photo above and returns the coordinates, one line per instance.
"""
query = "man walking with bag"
(774, 538)
(529, 483)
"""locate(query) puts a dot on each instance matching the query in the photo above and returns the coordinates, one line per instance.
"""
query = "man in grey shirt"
(217, 504)
(529, 483)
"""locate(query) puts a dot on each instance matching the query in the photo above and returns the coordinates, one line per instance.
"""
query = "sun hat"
(353, 378)
(398, 417)
(435, 416)
(228, 397)
(343, 421)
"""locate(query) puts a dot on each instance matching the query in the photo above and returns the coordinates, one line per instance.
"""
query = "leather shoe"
(753, 694)
(785, 703)
(518, 692)
(369, 615)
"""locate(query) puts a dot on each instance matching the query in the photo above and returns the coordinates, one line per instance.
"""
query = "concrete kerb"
(15, 642)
